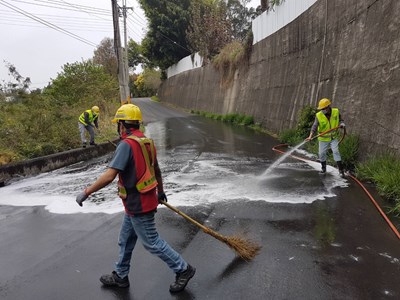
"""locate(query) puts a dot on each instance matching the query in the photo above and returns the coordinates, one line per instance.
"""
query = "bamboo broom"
(247, 250)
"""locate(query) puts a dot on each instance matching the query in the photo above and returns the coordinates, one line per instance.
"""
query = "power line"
(66, 6)
(20, 18)
(133, 29)
(76, 6)
(48, 24)
(58, 16)
(174, 42)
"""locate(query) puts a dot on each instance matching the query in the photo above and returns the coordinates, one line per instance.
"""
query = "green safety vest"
(92, 117)
(324, 125)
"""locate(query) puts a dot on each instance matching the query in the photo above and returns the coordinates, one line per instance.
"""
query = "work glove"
(81, 197)
(162, 197)
(342, 125)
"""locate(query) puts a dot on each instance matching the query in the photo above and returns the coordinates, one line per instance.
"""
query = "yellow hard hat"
(128, 112)
(95, 109)
(325, 102)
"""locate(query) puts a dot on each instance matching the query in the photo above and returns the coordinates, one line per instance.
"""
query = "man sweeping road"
(140, 188)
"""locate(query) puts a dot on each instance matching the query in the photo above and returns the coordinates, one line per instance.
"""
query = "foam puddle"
(216, 180)
(207, 179)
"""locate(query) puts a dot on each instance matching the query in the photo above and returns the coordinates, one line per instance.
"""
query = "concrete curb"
(51, 162)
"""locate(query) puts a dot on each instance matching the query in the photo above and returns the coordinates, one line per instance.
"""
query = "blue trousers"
(143, 227)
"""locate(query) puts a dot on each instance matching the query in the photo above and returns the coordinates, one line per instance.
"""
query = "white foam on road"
(211, 178)
(213, 181)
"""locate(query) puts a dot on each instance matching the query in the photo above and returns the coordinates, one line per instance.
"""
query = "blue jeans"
(143, 226)
(323, 149)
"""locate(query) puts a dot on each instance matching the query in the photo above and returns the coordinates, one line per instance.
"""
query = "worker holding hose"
(140, 188)
(325, 119)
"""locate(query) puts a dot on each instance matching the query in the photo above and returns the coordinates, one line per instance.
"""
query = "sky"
(40, 36)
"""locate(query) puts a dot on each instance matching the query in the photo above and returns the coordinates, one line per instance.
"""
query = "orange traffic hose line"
(394, 229)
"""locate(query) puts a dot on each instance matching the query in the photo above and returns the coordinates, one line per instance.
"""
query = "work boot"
(83, 145)
(323, 167)
(113, 280)
(341, 168)
(182, 279)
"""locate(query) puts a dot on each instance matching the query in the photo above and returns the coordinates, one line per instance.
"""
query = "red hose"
(394, 229)
(396, 232)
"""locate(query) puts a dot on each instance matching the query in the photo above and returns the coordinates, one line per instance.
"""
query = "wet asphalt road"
(333, 248)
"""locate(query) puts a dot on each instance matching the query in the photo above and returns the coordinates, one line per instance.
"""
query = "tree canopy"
(209, 29)
(165, 42)
(17, 87)
(178, 28)
(82, 80)
(105, 55)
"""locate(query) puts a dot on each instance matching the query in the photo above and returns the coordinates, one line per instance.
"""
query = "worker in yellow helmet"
(141, 189)
(325, 119)
(87, 121)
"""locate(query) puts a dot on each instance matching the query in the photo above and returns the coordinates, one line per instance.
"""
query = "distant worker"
(328, 118)
(87, 121)
(140, 188)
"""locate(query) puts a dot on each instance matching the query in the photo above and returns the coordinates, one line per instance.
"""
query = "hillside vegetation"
(45, 122)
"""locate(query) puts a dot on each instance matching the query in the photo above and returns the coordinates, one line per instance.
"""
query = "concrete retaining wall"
(346, 50)
(51, 162)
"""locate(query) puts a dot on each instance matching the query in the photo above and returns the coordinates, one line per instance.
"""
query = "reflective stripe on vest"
(91, 117)
(148, 181)
(324, 125)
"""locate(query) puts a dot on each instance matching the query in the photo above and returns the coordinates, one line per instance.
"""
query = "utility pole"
(122, 54)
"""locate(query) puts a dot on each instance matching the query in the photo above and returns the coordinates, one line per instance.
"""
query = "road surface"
(321, 237)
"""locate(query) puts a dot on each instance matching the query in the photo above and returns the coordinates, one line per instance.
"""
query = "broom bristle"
(246, 249)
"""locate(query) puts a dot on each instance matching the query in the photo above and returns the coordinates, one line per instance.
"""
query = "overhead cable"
(46, 23)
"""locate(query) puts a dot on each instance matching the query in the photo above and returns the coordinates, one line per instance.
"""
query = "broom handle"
(205, 229)
(184, 215)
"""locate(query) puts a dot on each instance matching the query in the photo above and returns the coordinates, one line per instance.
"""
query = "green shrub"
(229, 118)
(290, 136)
(238, 119)
(349, 151)
(247, 120)
(306, 120)
(296, 135)
(384, 171)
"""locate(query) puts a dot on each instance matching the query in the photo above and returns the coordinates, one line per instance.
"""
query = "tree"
(16, 88)
(264, 5)
(210, 29)
(165, 42)
(148, 82)
(135, 56)
(105, 55)
(82, 80)
(240, 17)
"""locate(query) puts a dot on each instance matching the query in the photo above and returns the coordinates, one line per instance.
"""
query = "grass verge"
(384, 171)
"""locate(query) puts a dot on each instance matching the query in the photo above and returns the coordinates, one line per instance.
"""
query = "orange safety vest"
(148, 180)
